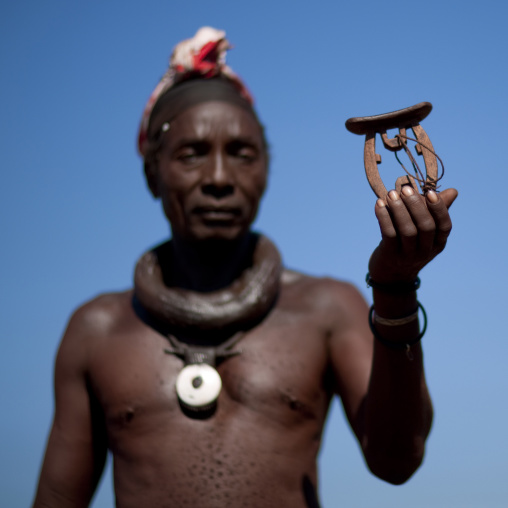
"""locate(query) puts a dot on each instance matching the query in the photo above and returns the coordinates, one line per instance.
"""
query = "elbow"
(395, 468)
(394, 473)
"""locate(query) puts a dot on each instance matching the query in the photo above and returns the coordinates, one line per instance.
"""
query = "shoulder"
(336, 308)
(102, 314)
(322, 293)
(92, 323)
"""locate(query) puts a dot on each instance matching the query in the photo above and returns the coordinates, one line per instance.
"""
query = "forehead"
(216, 118)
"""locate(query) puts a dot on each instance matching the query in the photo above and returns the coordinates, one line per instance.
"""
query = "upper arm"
(77, 447)
(351, 351)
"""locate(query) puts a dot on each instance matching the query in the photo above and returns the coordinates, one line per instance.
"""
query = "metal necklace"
(196, 314)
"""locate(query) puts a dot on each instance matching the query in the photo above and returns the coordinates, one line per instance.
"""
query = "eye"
(244, 151)
(191, 153)
(187, 156)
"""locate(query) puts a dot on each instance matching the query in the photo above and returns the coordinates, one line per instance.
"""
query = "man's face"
(211, 171)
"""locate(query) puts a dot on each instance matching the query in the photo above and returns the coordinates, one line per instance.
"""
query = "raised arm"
(382, 381)
(77, 447)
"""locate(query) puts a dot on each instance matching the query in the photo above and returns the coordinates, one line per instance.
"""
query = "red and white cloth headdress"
(202, 57)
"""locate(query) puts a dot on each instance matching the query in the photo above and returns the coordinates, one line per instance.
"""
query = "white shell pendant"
(198, 386)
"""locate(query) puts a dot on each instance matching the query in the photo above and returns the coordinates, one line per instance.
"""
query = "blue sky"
(75, 213)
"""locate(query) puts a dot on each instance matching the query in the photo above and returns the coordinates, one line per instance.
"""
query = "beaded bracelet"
(395, 287)
(398, 322)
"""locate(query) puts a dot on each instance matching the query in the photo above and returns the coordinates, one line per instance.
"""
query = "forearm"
(396, 414)
(397, 410)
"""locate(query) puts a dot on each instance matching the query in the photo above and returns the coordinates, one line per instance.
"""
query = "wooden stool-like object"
(403, 119)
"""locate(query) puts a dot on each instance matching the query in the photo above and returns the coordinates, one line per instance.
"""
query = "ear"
(150, 168)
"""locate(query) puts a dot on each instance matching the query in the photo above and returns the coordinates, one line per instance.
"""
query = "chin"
(217, 233)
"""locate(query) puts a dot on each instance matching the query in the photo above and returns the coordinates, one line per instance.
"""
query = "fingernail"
(407, 190)
(393, 195)
(380, 203)
(432, 197)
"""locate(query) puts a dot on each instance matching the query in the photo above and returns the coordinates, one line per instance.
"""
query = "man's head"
(210, 171)
(204, 148)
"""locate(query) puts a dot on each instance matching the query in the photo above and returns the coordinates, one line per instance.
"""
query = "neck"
(209, 265)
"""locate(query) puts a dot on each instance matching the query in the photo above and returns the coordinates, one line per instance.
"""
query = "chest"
(280, 374)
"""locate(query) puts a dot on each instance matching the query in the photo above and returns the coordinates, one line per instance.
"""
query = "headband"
(193, 63)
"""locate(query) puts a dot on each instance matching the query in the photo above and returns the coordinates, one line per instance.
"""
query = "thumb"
(448, 196)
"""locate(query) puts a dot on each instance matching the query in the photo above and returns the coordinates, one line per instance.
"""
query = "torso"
(260, 446)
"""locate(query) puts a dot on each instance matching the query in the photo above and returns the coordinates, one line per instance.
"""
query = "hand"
(414, 230)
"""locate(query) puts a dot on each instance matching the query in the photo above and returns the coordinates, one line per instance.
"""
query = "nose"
(219, 181)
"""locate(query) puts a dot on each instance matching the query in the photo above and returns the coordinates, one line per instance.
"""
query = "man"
(210, 382)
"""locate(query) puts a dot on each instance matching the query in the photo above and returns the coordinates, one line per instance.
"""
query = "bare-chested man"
(210, 382)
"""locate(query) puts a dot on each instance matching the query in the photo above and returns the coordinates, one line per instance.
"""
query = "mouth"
(217, 214)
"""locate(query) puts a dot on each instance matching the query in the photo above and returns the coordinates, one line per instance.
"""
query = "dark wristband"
(394, 288)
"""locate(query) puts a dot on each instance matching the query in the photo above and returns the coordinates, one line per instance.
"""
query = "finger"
(422, 219)
(438, 207)
(449, 196)
(403, 222)
(388, 231)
